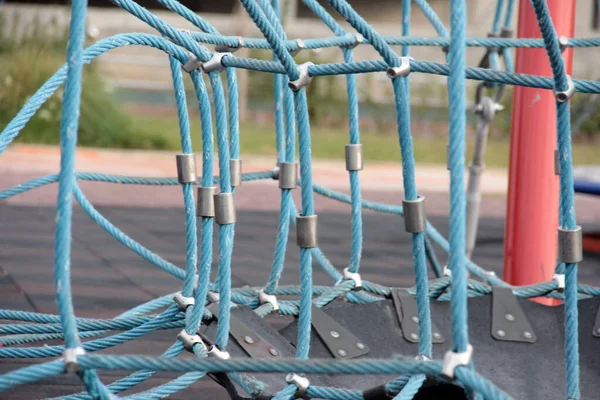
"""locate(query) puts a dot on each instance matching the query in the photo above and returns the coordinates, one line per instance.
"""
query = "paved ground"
(109, 279)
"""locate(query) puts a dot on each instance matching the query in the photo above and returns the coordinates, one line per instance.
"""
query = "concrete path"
(379, 181)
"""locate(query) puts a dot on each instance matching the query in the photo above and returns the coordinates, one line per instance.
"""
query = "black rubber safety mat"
(525, 371)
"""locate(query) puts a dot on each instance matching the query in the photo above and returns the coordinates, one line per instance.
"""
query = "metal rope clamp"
(301, 382)
(70, 358)
(189, 341)
(414, 215)
(354, 157)
(570, 245)
(288, 175)
(400, 71)
(506, 33)
(358, 39)
(355, 277)
(206, 202)
(223, 48)
(456, 359)
(485, 60)
(186, 168)
(306, 231)
(183, 302)
(192, 63)
(303, 79)
(493, 49)
(235, 168)
(215, 64)
(299, 47)
(264, 298)
(565, 95)
(486, 108)
(224, 208)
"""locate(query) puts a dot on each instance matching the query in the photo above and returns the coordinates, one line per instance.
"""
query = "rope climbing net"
(188, 308)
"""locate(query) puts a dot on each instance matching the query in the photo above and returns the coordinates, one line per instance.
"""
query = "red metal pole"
(530, 246)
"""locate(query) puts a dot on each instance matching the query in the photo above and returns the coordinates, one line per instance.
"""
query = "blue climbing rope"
(291, 117)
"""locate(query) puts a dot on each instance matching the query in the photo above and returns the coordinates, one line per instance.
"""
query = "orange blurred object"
(530, 246)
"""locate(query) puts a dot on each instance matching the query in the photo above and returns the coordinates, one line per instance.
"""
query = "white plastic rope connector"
(217, 353)
(227, 49)
(183, 302)
(189, 341)
(563, 43)
(192, 64)
(213, 297)
(402, 70)
(70, 358)
(301, 382)
(353, 276)
(304, 78)
(264, 298)
(560, 281)
(358, 39)
(299, 47)
(215, 64)
(456, 359)
(487, 276)
(565, 95)
(447, 271)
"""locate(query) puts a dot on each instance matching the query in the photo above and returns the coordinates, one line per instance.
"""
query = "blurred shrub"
(327, 104)
(27, 60)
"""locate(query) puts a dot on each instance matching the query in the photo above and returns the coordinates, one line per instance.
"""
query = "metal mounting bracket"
(597, 325)
(406, 309)
(252, 343)
(339, 340)
(509, 322)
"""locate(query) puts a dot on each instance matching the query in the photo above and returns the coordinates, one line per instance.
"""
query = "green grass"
(328, 143)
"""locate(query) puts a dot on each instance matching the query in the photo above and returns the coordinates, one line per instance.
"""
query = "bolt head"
(273, 351)
(500, 333)
(527, 335)
(437, 335)
(509, 317)
(414, 336)
(360, 346)
(415, 319)
(342, 353)
(248, 339)
(334, 334)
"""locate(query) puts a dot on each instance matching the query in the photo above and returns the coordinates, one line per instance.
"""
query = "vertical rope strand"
(191, 246)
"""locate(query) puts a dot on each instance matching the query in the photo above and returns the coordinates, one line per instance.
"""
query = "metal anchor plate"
(406, 309)
(255, 345)
(340, 341)
(509, 322)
